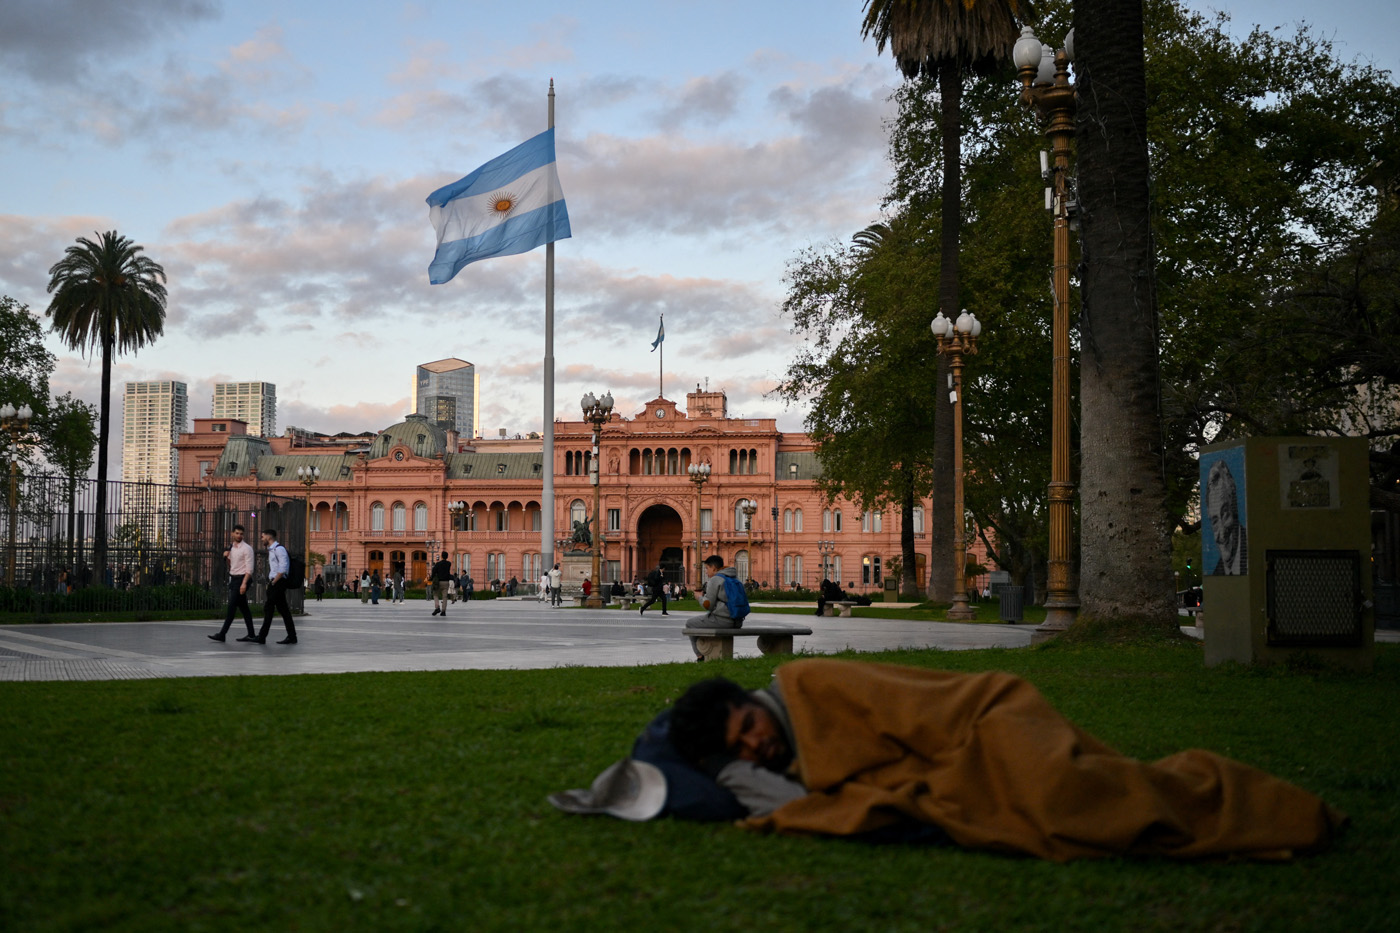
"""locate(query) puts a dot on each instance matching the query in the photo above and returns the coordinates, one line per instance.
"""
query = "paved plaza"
(340, 636)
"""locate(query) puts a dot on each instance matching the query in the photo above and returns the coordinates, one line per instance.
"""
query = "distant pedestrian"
(320, 587)
(656, 589)
(398, 586)
(543, 594)
(374, 587)
(279, 563)
(364, 587)
(239, 557)
(441, 575)
(556, 585)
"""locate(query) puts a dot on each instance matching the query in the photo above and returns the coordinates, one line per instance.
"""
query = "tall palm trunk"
(908, 556)
(99, 531)
(1125, 568)
(940, 565)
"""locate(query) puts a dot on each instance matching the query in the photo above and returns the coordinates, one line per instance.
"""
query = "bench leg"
(843, 611)
(715, 648)
(775, 644)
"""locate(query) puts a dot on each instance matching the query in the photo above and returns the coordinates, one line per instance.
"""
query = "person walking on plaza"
(364, 587)
(398, 586)
(442, 573)
(556, 583)
(374, 585)
(279, 563)
(656, 589)
(320, 587)
(543, 594)
(240, 573)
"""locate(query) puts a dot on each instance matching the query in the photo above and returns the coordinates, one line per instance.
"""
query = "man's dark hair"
(714, 560)
(239, 528)
(271, 533)
(699, 718)
(444, 555)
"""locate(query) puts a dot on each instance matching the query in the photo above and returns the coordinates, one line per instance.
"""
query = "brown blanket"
(985, 757)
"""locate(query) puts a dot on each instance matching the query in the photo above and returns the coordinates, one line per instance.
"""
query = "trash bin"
(1013, 603)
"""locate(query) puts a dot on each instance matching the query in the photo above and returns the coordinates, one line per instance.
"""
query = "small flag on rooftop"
(660, 335)
(510, 205)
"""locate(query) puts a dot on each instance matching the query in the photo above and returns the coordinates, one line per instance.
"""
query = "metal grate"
(1314, 598)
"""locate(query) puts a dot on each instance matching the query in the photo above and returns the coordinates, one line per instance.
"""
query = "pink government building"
(383, 501)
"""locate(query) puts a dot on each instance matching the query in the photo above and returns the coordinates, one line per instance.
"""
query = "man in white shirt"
(556, 582)
(279, 564)
(239, 558)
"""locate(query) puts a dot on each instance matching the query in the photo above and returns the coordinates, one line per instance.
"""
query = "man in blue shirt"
(279, 563)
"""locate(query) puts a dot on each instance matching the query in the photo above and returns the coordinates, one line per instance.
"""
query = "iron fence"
(165, 544)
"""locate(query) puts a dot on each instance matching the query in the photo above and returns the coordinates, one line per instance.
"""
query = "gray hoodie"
(718, 613)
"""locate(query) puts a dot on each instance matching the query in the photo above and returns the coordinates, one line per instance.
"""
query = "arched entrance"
(659, 539)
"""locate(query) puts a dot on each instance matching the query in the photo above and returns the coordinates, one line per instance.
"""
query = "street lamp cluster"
(699, 475)
(308, 476)
(462, 515)
(15, 422)
(597, 412)
(1045, 85)
(955, 340)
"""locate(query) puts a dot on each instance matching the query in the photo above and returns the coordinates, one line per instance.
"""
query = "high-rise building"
(252, 402)
(450, 380)
(154, 414)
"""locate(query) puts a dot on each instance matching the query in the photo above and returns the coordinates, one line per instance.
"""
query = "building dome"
(422, 437)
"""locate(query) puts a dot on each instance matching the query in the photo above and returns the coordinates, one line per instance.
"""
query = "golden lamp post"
(461, 515)
(749, 508)
(1045, 85)
(699, 475)
(308, 476)
(15, 422)
(956, 339)
(597, 412)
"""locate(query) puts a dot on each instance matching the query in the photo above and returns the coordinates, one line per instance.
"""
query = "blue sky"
(275, 157)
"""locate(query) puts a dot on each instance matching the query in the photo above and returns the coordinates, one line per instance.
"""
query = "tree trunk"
(1125, 544)
(909, 582)
(99, 530)
(941, 520)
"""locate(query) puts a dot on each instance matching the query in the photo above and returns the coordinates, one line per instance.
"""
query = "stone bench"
(627, 602)
(839, 608)
(718, 643)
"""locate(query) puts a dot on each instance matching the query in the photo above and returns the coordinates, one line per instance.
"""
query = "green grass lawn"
(416, 801)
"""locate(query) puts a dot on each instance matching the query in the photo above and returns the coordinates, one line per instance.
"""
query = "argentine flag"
(510, 205)
(660, 335)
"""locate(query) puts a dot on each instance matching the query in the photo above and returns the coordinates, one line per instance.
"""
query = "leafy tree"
(866, 370)
(948, 39)
(106, 295)
(25, 366)
(70, 437)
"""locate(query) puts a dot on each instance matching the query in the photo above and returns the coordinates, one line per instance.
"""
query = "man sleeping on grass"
(982, 760)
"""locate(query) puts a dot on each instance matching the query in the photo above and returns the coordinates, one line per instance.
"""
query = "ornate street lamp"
(461, 514)
(597, 412)
(1045, 85)
(699, 475)
(827, 548)
(956, 339)
(308, 476)
(15, 422)
(749, 508)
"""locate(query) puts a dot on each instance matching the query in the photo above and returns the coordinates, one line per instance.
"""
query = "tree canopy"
(1276, 266)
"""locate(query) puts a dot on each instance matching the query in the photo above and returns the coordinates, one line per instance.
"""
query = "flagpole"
(661, 365)
(547, 503)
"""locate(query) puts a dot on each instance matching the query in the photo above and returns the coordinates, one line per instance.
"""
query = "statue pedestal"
(576, 566)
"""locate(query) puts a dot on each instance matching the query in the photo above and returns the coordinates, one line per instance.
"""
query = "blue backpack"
(735, 598)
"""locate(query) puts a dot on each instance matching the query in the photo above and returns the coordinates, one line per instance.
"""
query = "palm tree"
(1125, 560)
(947, 39)
(106, 294)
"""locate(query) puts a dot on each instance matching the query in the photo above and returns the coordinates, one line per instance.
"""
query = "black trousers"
(277, 599)
(653, 595)
(236, 601)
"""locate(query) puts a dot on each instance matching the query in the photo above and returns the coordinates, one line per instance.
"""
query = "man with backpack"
(656, 589)
(279, 565)
(724, 600)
